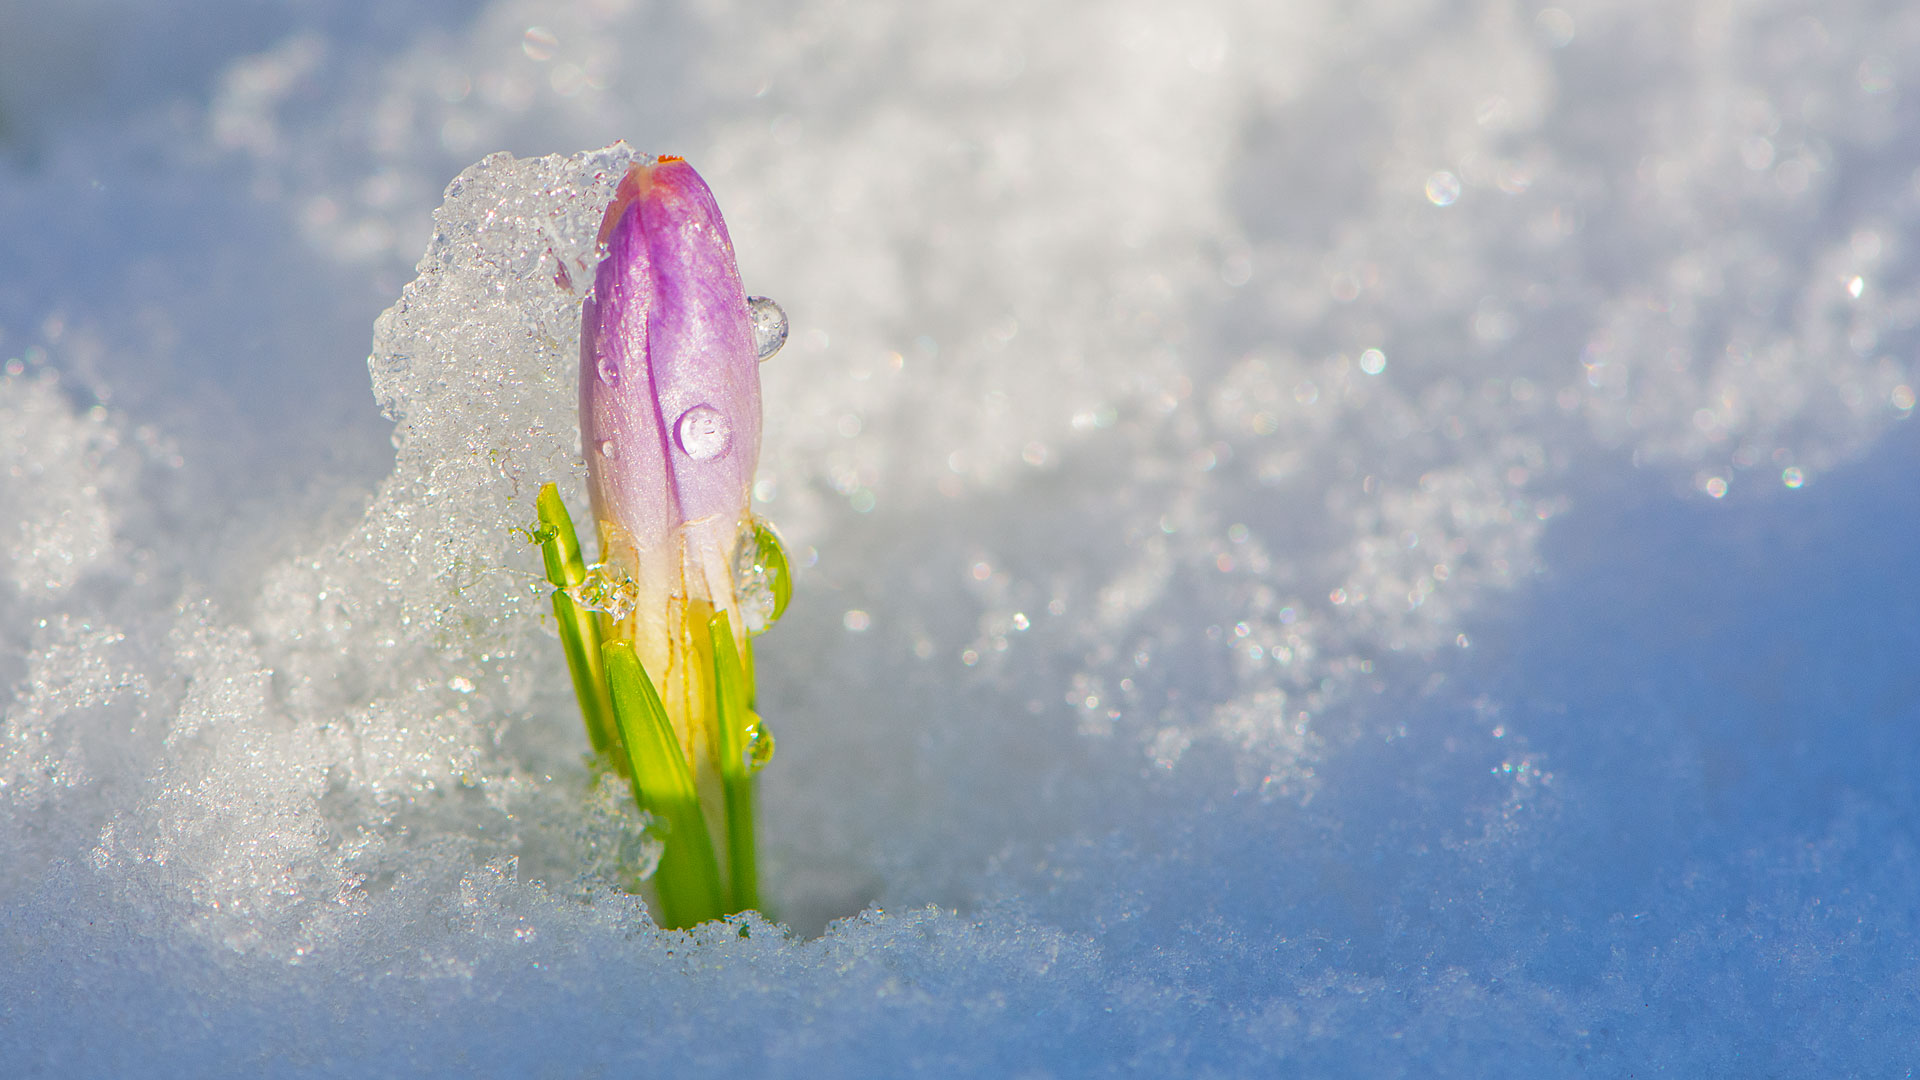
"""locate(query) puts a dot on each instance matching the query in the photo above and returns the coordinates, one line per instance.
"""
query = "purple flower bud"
(669, 414)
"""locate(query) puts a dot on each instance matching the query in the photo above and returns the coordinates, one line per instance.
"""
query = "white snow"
(1332, 539)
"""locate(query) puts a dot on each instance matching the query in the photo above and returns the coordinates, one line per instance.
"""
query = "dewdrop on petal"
(670, 348)
(769, 325)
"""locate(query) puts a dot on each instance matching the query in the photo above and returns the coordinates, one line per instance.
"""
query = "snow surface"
(1333, 539)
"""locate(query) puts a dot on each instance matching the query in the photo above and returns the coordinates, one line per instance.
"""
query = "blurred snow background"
(1348, 539)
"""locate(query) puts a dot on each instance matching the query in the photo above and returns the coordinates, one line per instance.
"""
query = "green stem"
(688, 878)
(579, 630)
(732, 698)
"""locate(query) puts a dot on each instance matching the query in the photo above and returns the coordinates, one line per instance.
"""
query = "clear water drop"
(615, 594)
(759, 746)
(609, 370)
(761, 581)
(769, 325)
(608, 450)
(703, 432)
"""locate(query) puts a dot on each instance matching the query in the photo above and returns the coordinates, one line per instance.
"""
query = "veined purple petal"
(669, 392)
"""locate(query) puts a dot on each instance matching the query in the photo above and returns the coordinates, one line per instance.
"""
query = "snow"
(1330, 539)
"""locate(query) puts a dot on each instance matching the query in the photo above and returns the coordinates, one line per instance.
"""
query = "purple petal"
(669, 385)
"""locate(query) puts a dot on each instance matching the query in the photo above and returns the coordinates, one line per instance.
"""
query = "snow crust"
(1330, 539)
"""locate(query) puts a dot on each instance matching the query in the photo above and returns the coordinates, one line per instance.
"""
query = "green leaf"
(558, 543)
(580, 640)
(688, 878)
(736, 774)
(579, 630)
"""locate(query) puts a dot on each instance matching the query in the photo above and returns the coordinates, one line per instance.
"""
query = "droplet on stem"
(759, 747)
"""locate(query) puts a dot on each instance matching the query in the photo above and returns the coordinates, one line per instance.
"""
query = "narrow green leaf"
(688, 878)
(580, 640)
(579, 630)
(736, 778)
(559, 544)
(746, 672)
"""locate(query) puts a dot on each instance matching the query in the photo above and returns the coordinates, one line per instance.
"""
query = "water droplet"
(703, 432)
(614, 594)
(540, 532)
(759, 746)
(609, 370)
(769, 325)
(1443, 188)
(608, 450)
(761, 581)
(539, 43)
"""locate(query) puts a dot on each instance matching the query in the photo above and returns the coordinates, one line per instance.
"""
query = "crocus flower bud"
(670, 425)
